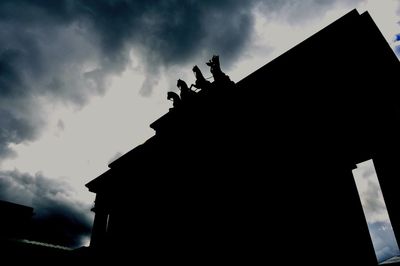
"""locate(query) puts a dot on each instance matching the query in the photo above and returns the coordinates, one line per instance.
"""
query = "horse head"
(182, 85)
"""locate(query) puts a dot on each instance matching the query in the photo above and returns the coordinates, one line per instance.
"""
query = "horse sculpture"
(201, 82)
(186, 92)
(174, 97)
(220, 78)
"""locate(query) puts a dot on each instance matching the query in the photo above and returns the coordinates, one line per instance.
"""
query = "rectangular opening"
(376, 214)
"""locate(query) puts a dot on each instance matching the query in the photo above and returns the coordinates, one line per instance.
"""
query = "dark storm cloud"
(58, 219)
(165, 33)
(13, 129)
(65, 51)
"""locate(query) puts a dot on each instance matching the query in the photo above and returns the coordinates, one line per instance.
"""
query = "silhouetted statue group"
(221, 80)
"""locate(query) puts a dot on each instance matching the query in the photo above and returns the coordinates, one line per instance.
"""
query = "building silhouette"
(15, 221)
(261, 171)
(18, 244)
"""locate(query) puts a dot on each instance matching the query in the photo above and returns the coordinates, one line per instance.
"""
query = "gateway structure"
(261, 171)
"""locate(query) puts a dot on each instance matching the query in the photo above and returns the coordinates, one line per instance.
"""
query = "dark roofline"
(172, 114)
(351, 15)
(94, 185)
(133, 153)
(8, 204)
(169, 118)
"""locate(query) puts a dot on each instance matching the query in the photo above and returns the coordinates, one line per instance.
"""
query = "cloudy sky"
(376, 214)
(81, 80)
